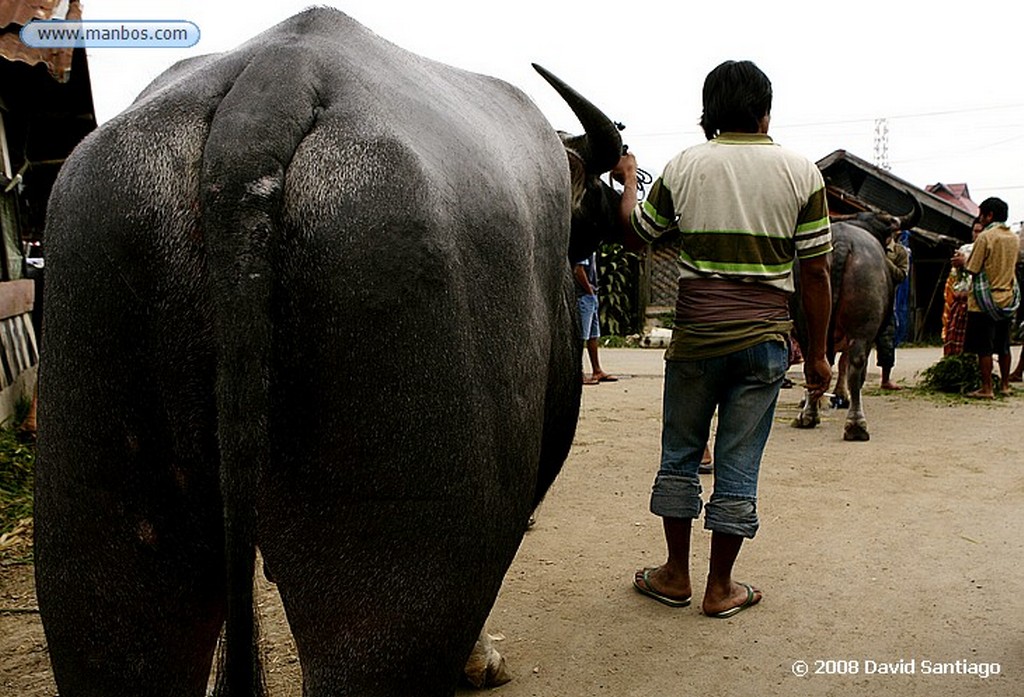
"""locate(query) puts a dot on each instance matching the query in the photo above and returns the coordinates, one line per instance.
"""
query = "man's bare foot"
(590, 380)
(980, 394)
(741, 597)
(657, 583)
(890, 385)
(705, 462)
(602, 376)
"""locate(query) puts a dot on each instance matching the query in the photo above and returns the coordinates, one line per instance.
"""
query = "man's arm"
(580, 272)
(899, 262)
(625, 174)
(976, 261)
(816, 297)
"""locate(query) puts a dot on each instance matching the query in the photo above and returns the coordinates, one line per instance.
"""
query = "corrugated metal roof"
(885, 191)
(14, 13)
(23, 11)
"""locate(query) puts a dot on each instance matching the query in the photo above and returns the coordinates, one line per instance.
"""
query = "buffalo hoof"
(486, 667)
(856, 430)
(804, 421)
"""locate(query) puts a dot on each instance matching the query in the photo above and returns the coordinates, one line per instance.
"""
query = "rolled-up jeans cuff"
(732, 516)
(675, 496)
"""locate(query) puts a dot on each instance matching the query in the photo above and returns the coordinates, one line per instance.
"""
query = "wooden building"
(854, 185)
(45, 110)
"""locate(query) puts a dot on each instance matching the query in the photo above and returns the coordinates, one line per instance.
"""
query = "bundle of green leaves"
(958, 374)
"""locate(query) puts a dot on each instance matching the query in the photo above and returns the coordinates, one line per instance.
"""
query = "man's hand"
(580, 272)
(818, 374)
(624, 171)
(816, 298)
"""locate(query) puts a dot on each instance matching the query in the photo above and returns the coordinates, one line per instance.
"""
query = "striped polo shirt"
(745, 208)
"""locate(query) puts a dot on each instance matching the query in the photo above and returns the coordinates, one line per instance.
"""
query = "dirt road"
(882, 563)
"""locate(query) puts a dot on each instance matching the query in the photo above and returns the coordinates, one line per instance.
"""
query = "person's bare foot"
(590, 380)
(890, 385)
(740, 597)
(980, 394)
(705, 462)
(602, 376)
(658, 583)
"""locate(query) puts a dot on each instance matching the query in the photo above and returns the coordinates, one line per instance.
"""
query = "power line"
(922, 114)
(843, 122)
(1000, 188)
(951, 112)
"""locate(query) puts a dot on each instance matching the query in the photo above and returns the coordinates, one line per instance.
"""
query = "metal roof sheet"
(17, 13)
(21, 12)
(885, 191)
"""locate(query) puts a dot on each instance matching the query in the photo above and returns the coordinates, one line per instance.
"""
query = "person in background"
(885, 345)
(585, 274)
(1018, 372)
(994, 296)
(746, 209)
(958, 285)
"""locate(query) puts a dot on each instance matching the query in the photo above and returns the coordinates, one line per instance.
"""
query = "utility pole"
(882, 144)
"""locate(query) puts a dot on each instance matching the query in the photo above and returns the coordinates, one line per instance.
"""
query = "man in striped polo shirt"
(746, 210)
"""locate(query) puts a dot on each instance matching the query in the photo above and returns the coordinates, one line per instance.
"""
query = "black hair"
(997, 207)
(737, 95)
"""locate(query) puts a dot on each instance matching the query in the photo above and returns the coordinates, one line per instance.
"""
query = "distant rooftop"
(856, 182)
(957, 194)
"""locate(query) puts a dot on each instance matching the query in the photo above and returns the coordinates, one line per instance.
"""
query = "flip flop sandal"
(751, 601)
(642, 584)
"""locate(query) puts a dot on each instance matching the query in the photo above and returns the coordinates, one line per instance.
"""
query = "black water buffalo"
(310, 296)
(862, 300)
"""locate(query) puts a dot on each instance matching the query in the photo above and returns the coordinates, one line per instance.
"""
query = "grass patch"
(17, 462)
(17, 470)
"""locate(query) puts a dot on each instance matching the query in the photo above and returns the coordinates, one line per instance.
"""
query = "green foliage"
(957, 374)
(619, 288)
(664, 319)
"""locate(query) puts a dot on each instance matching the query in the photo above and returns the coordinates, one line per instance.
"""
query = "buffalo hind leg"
(856, 428)
(129, 606)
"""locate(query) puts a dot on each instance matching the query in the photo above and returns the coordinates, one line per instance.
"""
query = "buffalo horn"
(601, 147)
(912, 218)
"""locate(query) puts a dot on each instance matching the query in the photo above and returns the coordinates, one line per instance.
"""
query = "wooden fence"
(19, 352)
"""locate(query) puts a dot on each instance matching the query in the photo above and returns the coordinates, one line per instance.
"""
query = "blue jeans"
(589, 317)
(744, 387)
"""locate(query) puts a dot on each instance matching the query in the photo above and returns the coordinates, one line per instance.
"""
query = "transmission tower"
(882, 144)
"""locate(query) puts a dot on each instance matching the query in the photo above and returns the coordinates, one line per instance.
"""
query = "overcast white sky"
(945, 81)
